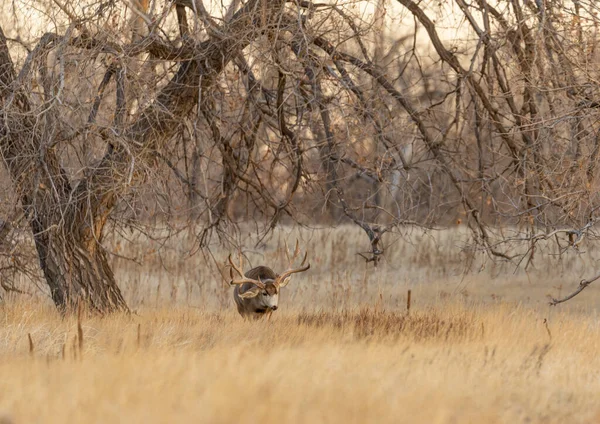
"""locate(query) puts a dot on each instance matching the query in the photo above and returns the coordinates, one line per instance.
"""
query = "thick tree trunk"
(71, 257)
(77, 272)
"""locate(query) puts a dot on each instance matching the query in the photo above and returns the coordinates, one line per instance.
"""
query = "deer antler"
(290, 270)
(243, 279)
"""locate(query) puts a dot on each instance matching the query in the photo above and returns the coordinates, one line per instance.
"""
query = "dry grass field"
(477, 348)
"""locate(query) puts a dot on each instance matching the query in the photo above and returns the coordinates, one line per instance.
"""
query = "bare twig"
(582, 285)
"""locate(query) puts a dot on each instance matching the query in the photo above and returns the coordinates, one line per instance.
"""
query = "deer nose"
(274, 308)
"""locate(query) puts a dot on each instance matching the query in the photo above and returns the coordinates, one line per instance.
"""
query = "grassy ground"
(341, 348)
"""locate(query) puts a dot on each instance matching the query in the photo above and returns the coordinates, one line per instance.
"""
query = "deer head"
(256, 292)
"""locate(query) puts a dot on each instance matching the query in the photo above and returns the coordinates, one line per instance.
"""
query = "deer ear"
(248, 294)
(285, 282)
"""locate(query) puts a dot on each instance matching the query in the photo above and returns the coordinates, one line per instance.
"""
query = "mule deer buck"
(256, 292)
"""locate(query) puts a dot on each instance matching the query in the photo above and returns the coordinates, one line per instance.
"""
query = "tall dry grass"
(446, 363)
(481, 347)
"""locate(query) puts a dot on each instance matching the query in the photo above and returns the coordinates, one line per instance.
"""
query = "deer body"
(256, 292)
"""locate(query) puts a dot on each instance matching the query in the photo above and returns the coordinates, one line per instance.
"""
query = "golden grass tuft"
(368, 323)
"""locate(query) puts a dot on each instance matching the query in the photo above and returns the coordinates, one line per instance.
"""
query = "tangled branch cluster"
(294, 110)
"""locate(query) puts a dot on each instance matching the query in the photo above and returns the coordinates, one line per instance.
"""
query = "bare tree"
(272, 111)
